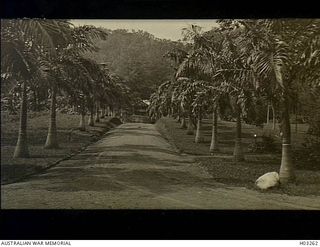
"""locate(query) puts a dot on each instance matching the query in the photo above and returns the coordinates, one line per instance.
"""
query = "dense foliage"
(241, 70)
(138, 57)
(243, 67)
(44, 59)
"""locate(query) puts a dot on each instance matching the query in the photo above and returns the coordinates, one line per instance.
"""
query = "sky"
(164, 29)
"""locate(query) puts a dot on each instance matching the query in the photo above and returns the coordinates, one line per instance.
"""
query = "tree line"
(44, 60)
(237, 67)
(138, 57)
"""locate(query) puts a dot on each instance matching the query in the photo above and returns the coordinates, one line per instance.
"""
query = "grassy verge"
(222, 166)
(185, 143)
(71, 141)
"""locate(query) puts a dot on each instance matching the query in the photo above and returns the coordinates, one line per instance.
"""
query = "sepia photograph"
(160, 114)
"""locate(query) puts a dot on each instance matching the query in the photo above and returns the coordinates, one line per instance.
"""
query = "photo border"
(158, 224)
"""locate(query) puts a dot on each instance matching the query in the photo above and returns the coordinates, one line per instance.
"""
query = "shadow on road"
(102, 168)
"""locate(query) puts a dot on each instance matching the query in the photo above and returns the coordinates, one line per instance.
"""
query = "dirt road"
(133, 167)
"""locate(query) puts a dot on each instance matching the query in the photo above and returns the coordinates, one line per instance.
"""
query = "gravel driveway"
(134, 167)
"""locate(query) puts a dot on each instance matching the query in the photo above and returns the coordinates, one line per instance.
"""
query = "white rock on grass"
(268, 180)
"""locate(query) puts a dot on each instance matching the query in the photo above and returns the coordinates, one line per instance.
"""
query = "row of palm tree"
(49, 55)
(237, 64)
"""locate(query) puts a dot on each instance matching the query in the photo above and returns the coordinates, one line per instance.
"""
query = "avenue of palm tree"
(240, 65)
(255, 72)
(38, 55)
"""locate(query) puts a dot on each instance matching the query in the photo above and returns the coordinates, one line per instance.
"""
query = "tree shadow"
(158, 181)
(157, 170)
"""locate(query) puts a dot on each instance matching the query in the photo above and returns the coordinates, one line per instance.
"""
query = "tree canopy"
(138, 57)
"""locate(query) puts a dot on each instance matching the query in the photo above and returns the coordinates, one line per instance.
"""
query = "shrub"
(265, 144)
(314, 125)
(312, 148)
(115, 121)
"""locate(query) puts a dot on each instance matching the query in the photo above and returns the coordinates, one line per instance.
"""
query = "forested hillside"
(137, 57)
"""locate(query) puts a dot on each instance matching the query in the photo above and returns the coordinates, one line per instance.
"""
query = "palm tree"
(208, 96)
(211, 45)
(22, 43)
(283, 51)
(199, 137)
(214, 138)
(190, 125)
(202, 63)
(91, 116)
(238, 152)
(82, 124)
(214, 58)
(78, 41)
(189, 70)
(175, 91)
(19, 63)
(22, 150)
(184, 94)
(237, 79)
(199, 105)
(52, 139)
(97, 117)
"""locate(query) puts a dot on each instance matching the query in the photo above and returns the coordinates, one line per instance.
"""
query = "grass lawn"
(71, 140)
(225, 170)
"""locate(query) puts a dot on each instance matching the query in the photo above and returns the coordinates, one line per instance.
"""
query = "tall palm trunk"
(190, 126)
(179, 115)
(97, 119)
(194, 122)
(268, 114)
(11, 107)
(114, 112)
(82, 124)
(108, 111)
(121, 114)
(35, 100)
(172, 111)
(103, 112)
(214, 137)
(133, 110)
(21, 150)
(238, 152)
(287, 169)
(296, 113)
(273, 117)
(199, 138)
(52, 140)
(168, 113)
(91, 117)
(183, 124)
(111, 111)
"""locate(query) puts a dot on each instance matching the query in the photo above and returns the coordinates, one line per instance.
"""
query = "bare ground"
(71, 140)
(134, 167)
(224, 169)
